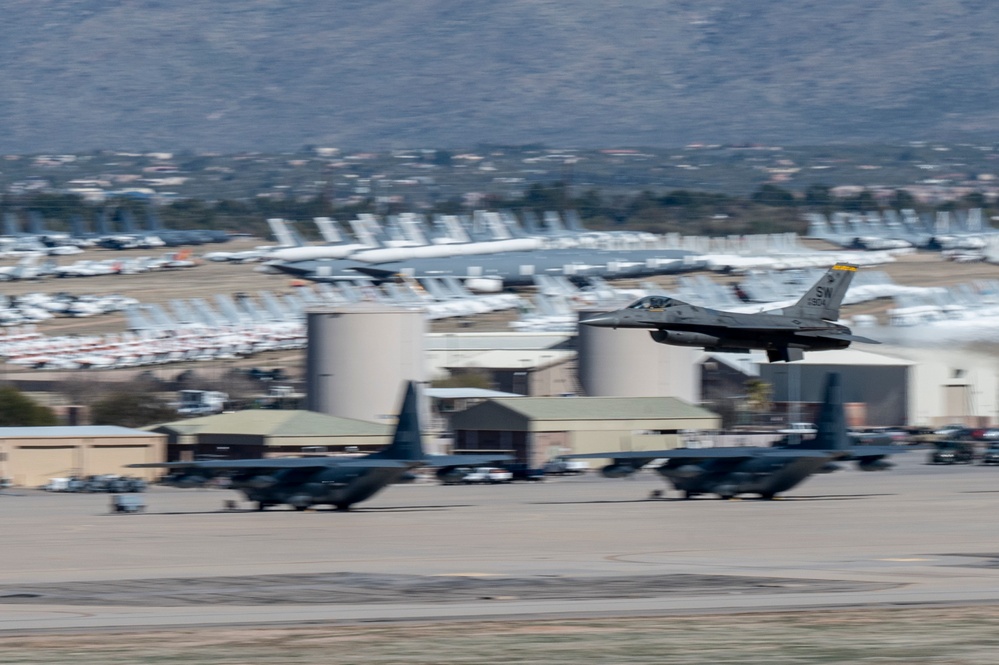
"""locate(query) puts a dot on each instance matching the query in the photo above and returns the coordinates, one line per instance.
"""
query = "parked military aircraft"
(785, 334)
(766, 471)
(493, 272)
(340, 481)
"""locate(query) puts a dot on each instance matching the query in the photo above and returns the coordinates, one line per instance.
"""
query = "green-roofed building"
(270, 433)
(536, 429)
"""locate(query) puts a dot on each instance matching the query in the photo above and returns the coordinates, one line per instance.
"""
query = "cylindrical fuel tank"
(359, 356)
(627, 362)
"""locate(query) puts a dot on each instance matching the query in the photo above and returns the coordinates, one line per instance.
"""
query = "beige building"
(30, 456)
(535, 429)
(269, 433)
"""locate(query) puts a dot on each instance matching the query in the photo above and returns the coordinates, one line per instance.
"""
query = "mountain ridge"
(279, 74)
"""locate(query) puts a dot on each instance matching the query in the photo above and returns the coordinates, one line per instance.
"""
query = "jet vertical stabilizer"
(328, 230)
(413, 228)
(153, 222)
(531, 224)
(822, 301)
(455, 229)
(76, 224)
(36, 223)
(573, 221)
(281, 233)
(101, 223)
(127, 221)
(11, 225)
(364, 228)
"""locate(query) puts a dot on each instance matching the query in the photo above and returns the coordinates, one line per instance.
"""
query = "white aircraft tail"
(363, 229)
(328, 230)
(281, 232)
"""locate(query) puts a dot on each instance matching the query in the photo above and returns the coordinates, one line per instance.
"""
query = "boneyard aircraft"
(766, 471)
(785, 334)
(339, 481)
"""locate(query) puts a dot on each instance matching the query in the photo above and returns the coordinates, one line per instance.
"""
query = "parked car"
(953, 452)
(487, 475)
(800, 429)
(952, 431)
(561, 467)
(454, 475)
(991, 454)
(525, 472)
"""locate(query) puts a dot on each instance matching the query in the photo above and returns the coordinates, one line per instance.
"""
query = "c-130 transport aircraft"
(785, 334)
(762, 470)
(302, 482)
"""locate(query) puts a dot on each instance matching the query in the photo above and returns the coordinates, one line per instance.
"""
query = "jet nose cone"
(606, 320)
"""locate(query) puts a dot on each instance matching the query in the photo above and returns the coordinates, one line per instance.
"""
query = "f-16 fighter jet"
(785, 334)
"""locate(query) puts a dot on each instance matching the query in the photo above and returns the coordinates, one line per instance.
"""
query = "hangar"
(876, 387)
(30, 456)
(259, 433)
(896, 386)
(535, 429)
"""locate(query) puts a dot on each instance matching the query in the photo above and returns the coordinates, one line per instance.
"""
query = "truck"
(201, 402)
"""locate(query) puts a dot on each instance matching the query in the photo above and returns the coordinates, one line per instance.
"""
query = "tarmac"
(917, 535)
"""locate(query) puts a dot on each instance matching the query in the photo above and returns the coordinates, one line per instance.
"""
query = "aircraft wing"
(733, 452)
(294, 268)
(279, 463)
(837, 335)
(860, 452)
(376, 273)
(464, 460)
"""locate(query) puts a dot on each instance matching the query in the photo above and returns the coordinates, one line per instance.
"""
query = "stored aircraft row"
(491, 273)
(111, 229)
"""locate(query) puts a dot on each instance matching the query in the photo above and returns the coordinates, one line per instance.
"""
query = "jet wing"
(464, 460)
(837, 335)
(280, 463)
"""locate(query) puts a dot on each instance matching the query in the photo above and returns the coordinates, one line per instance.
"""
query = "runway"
(575, 547)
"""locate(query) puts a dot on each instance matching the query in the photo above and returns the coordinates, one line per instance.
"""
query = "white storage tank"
(627, 363)
(359, 356)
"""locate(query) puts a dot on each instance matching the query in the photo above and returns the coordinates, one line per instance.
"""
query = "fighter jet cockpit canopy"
(654, 303)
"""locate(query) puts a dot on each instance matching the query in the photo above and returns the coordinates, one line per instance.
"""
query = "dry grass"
(910, 636)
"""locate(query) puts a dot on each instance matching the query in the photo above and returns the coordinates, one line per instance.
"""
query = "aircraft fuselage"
(783, 336)
(764, 476)
(302, 488)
